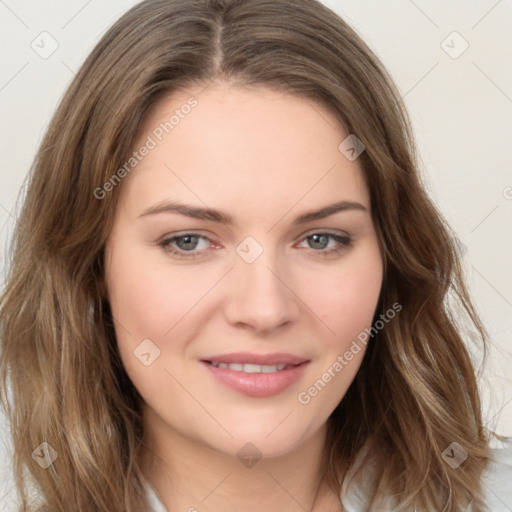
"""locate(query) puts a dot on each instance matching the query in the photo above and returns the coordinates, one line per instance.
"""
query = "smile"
(255, 375)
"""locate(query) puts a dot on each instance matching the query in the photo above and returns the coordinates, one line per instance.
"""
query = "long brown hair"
(416, 391)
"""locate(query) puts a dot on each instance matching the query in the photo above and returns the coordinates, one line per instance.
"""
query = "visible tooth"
(252, 368)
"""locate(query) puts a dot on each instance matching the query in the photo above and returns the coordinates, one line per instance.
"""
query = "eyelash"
(343, 241)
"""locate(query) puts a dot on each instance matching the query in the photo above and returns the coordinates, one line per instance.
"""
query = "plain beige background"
(452, 62)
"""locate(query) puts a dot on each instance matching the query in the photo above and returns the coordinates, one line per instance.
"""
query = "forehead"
(245, 146)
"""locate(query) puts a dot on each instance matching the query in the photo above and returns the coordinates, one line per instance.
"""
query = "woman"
(259, 371)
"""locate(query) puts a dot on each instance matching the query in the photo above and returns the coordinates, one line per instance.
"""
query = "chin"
(262, 440)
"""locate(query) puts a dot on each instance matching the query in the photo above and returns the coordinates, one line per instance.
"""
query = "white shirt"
(497, 481)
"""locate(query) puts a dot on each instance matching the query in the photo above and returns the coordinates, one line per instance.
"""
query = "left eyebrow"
(210, 214)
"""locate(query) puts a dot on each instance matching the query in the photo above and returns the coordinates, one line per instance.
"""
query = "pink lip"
(258, 384)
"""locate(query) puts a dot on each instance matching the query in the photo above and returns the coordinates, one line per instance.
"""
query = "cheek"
(347, 303)
(349, 297)
(145, 297)
(146, 303)
(150, 300)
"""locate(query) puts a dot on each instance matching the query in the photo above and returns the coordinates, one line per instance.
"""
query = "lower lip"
(258, 384)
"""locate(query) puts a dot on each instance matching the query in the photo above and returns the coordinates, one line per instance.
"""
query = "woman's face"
(238, 322)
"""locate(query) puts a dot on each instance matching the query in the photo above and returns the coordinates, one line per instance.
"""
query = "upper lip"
(261, 359)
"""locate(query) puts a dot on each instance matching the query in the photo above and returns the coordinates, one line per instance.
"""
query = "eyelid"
(327, 231)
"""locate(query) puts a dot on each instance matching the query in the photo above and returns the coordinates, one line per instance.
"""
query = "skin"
(264, 157)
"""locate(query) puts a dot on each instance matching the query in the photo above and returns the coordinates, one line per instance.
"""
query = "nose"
(261, 294)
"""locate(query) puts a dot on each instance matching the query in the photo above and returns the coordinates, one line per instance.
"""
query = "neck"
(190, 476)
